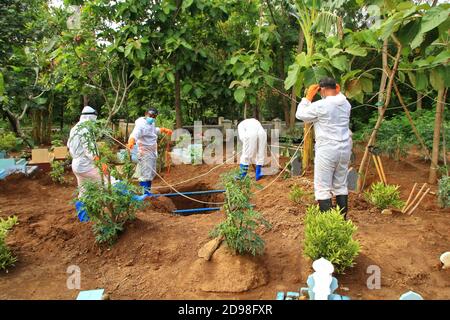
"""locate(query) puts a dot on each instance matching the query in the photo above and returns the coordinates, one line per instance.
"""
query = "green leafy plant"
(57, 172)
(298, 195)
(384, 196)
(328, 235)
(109, 208)
(239, 228)
(8, 141)
(444, 191)
(6, 257)
(108, 205)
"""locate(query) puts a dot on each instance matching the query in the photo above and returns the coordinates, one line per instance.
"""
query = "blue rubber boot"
(147, 187)
(122, 189)
(243, 169)
(81, 211)
(258, 172)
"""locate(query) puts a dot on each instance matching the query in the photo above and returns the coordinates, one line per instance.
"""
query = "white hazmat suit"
(331, 118)
(254, 141)
(146, 136)
(83, 160)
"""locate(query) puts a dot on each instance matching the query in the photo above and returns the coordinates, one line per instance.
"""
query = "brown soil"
(156, 256)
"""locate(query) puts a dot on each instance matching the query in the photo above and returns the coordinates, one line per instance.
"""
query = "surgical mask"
(150, 120)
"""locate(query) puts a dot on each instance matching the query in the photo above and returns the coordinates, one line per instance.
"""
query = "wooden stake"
(380, 164)
(416, 197)
(378, 168)
(418, 202)
(409, 197)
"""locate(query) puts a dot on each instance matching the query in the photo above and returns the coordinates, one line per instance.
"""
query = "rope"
(290, 161)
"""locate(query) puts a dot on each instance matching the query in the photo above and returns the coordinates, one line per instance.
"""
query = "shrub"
(108, 205)
(384, 196)
(6, 257)
(444, 191)
(239, 228)
(298, 195)
(8, 141)
(328, 235)
(57, 172)
(395, 136)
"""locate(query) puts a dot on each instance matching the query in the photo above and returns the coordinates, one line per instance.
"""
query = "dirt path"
(156, 257)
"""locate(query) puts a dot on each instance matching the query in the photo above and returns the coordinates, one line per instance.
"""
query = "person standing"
(145, 134)
(254, 142)
(83, 160)
(331, 118)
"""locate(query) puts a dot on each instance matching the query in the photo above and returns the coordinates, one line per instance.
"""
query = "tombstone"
(277, 125)
(296, 166)
(40, 156)
(220, 120)
(227, 125)
(2, 154)
(60, 153)
(352, 179)
(321, 284)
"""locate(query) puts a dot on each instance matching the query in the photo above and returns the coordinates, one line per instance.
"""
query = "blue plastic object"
(190, 211)
(147, 185)
(81, 211)
(411, 295)
(280, 295)
(258, 173)
(91, 294)
(243, 169)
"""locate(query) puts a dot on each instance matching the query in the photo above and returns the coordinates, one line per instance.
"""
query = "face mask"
(150, 120)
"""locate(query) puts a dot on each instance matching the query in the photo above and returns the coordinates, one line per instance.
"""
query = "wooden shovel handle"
(409, 197)
(416, 197)
(418, 202)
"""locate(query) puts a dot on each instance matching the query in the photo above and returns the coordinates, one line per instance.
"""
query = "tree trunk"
(381, 91)
(85, 100)
(380, 116)
(419, 101)
(178, 115)
(432, 179)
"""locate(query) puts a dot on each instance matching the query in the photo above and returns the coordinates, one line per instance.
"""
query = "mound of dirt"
(226, 272)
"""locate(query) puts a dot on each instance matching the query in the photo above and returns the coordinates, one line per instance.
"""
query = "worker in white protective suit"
(83, 161)
(331, 117)
(145, 134)
(254, 142)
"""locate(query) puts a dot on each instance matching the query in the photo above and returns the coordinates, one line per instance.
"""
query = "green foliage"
(108, 205)
(395, 136)
(298, 195)
(8, 141)
(6, 257)
(444, 191)
(384, 196)
(57, 172)
(239, 228)
(329, 236)
(109, 208)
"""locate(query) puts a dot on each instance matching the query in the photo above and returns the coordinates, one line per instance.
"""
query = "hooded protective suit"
(254, 141)
(146, 136)
(331, 118)
(83, 161)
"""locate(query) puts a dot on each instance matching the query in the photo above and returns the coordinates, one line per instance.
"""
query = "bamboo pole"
(415, 198)
(409, 197)
(418, 202)
(383, 110)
